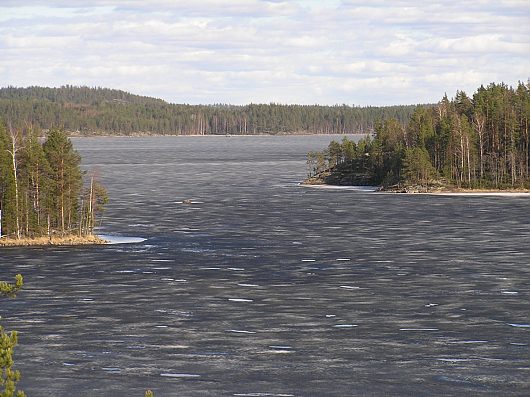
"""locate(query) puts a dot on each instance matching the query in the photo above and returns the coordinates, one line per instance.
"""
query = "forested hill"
(92, 111)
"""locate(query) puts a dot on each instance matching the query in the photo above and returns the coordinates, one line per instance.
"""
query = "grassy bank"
(55, 240)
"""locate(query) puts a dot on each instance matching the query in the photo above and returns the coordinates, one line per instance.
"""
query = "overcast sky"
(369, 52)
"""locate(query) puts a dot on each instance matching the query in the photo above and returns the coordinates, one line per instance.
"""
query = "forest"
(103, 111)
(466, 142)
(43, 191)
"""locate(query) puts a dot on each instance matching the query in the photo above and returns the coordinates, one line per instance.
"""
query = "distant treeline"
(89, 111)
(474, 142)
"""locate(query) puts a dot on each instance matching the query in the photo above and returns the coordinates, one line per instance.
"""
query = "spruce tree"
(65, 180)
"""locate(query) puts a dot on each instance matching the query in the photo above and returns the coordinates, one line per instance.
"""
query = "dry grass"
(55, 240)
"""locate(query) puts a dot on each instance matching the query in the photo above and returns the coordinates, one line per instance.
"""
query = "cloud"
(291, 51)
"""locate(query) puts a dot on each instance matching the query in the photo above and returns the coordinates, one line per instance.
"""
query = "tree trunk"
(13, 152)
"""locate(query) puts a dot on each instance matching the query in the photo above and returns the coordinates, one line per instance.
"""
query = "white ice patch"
(519, 325)
(112, 239)
(240, 300)
(364, 189)
(240, 331)
(262, 395)
(345, 326)
(418, 329)
(467, 342)
(188, 376)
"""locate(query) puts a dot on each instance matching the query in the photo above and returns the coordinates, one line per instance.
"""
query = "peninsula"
(45, 198)
(478, 143)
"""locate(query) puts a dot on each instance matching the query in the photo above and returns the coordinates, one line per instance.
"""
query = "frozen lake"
(261, 287)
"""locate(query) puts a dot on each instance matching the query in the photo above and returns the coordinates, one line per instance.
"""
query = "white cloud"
(240, 51)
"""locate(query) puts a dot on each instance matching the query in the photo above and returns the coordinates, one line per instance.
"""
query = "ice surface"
(162, 306)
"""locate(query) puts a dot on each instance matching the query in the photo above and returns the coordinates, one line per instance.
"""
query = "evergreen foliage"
(8, 376)
(90, 111)
(478, 142)
(41, 186)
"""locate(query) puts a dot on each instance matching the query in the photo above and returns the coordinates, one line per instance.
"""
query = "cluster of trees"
(474, 142)
(41, 186)
(87, 110)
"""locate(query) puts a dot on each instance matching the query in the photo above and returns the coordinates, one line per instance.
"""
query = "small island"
(45, 197)
(476, 144)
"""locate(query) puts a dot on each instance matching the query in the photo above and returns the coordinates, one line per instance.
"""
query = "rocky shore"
(432, 187)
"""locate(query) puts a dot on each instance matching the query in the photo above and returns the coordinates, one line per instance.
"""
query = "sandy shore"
(56, 240)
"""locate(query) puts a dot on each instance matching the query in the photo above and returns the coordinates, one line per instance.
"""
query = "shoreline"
(438, 192)
(147, 135)
(70, 240)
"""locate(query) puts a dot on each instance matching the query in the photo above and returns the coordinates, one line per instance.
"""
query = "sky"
(370, 52)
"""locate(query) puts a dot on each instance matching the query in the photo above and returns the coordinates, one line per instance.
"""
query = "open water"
(261, 287)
